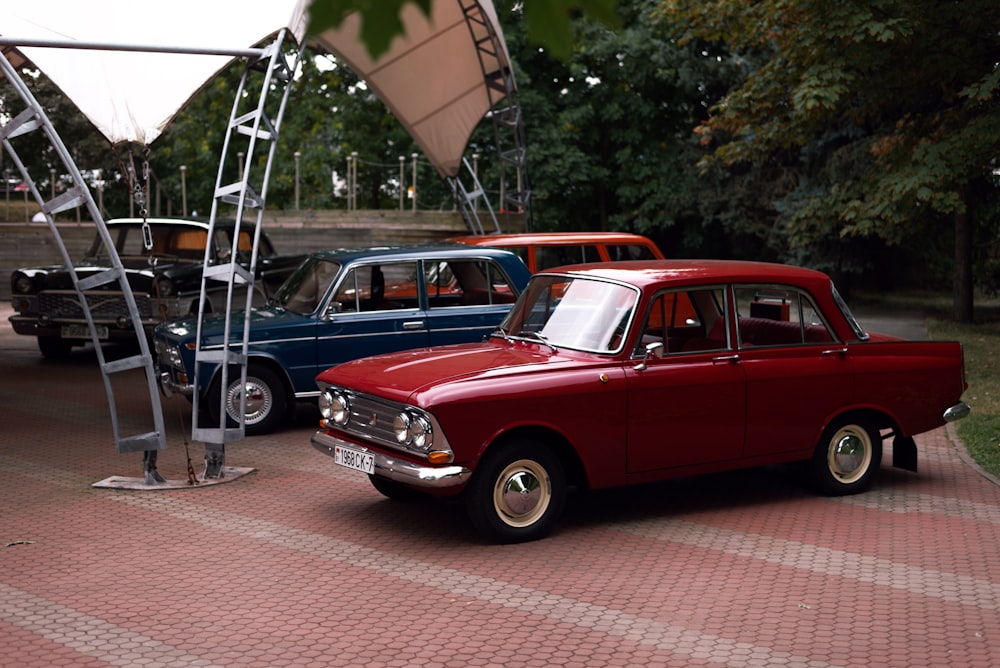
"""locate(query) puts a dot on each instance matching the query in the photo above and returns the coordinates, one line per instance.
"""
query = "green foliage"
(609, 128)
(875, 117)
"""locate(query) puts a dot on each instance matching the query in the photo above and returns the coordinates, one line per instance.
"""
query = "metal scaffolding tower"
(508, 129)
(255, 121)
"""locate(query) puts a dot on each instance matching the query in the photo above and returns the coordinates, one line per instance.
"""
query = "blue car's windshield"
(303, 291)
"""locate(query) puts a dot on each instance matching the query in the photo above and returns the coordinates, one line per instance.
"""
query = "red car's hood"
(397, 376)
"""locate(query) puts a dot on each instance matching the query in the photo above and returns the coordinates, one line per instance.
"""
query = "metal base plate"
(229, 473)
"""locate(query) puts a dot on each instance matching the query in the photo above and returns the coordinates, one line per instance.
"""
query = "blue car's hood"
(268, 322)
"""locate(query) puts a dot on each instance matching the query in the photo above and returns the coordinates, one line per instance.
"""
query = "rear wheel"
(847, 457)
(53, 347)
(266, 403)
(517, 493)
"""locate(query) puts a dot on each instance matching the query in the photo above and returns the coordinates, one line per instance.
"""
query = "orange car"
(545, 250)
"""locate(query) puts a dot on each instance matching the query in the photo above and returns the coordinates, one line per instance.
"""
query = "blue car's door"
(376, 308)
(466, 298)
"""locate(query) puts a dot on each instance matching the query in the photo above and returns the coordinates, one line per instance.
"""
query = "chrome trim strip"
(366, 335)
(957, 412)
(307, 395)
(435, 477)
(218, 346)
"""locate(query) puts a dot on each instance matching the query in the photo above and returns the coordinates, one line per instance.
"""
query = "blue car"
(339, 306)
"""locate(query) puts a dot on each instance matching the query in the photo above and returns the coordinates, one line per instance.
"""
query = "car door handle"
(835, 351)
(726, 358)
(413, 324)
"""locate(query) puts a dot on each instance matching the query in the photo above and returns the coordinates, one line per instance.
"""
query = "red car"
(605, 375)
(545, 250)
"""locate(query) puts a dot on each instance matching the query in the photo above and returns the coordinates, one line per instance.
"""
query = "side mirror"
(654, 349)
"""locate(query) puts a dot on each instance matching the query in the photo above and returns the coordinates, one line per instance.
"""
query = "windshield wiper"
(537, 336)
(502, 332)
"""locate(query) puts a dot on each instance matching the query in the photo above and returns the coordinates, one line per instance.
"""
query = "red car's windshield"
(573, 312)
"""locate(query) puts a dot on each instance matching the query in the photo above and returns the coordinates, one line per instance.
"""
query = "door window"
(777, 315)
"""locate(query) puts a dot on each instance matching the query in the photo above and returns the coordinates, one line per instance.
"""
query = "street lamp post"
(297, 156)
(414, 156)
(354, 181)
(475, 175)
(184, 192)
(402, 184)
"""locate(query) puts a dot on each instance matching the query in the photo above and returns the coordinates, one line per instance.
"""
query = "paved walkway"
(304, 564)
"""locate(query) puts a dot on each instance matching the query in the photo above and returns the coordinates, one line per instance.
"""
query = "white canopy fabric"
(431, 78)
(131, 96)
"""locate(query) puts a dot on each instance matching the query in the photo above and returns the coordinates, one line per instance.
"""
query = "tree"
(871, 119)
(609, 127)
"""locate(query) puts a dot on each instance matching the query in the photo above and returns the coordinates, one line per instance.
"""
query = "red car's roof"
(645, 272)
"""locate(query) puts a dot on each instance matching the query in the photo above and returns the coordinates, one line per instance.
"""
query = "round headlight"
(401, 427)
(164, 286)
(22, 284)
(334, 406)
(420, 433)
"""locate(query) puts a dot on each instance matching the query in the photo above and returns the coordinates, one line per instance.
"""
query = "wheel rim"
(522, 493)
(258, 403)
(850, 454)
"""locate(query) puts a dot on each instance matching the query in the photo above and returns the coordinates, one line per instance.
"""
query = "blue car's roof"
(441, 250)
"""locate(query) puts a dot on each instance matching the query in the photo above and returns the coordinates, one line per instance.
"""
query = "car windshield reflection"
(306, 287)
(573, 312)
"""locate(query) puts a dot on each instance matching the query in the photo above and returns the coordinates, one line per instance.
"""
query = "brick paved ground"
(302, 564)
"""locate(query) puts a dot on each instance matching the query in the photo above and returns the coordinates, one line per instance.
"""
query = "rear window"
(629, 252)
(547, 257)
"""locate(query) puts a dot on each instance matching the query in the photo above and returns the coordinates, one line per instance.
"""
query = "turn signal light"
(439, 457)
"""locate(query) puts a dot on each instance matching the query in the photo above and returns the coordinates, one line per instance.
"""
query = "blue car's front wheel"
(265, 405)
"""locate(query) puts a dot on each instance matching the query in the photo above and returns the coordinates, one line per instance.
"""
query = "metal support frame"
(260, 123)
(32, 119)
(508, 127)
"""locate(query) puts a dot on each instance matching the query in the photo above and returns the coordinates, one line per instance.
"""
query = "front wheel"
(265, 401)
(847, 457)
(517, 492)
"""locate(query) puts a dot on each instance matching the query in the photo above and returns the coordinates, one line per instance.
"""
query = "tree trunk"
(962, 305)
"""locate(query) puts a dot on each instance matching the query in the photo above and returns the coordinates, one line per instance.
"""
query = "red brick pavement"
(302, 564)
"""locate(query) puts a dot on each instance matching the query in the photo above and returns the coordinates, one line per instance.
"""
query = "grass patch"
(981, 430)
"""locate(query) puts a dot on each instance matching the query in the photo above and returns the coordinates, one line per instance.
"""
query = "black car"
(165, 279)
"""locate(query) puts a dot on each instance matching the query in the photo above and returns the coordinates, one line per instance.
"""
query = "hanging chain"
(139, 193)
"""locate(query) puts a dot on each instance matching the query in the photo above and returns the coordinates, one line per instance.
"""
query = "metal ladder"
(33, 119)
(508, 126)
(277, 65)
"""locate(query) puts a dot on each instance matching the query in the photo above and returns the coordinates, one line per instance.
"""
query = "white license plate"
(82, 332)
(354, 459)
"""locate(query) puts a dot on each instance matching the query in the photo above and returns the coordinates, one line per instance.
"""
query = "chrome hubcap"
(258, 401)
(522, 493)
(850, 454)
